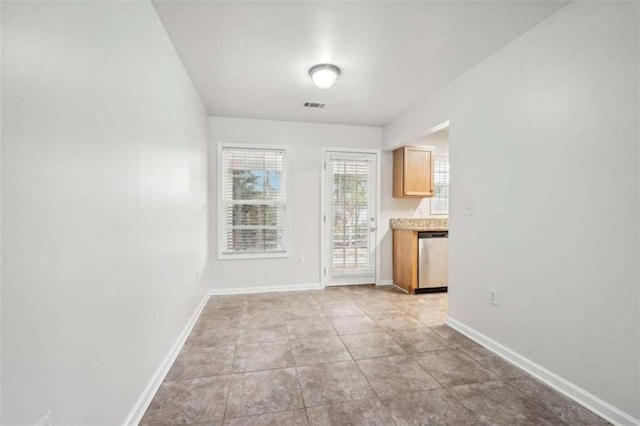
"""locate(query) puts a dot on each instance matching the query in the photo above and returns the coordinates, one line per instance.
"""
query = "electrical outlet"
(470, 209)
(493, 296)
(46, 420)
(300, 260)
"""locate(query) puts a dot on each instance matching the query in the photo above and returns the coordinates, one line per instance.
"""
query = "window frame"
(433, 211)
(221, 208)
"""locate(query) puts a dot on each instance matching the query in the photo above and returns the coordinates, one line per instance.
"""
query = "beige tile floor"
(346, 356)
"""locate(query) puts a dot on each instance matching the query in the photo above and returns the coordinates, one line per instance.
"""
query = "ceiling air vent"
(314, 105)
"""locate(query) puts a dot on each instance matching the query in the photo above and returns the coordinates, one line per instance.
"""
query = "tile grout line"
(461, 404)
(367, 379)
(486, 364)
(295, 367)
(254, 415)
(534, 400)
(226, 399)
(455, 348)
(510, 387)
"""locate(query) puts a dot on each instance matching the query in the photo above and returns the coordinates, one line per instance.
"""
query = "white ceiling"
(251, 59)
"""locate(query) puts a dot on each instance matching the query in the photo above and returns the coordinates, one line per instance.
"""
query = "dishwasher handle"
(431, 234)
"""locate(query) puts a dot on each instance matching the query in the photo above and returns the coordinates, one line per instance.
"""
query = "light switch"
(470, 209)
(493, 296)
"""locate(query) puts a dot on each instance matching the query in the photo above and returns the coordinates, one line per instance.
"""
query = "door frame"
(323, 243)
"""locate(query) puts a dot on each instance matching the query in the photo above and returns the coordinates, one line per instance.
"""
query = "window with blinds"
(253, 201)
(440, 199)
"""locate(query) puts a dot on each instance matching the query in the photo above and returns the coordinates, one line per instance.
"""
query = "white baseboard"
(576, 393)
(267, 289)
(385, 282)
(141, 405)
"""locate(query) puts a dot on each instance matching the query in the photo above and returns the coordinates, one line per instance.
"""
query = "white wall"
(544, 139)
(104, 207)
(0, 213)
(305, 141)
(439, 140)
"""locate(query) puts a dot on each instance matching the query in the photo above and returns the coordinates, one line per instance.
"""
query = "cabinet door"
(418, 171)
(405, 259)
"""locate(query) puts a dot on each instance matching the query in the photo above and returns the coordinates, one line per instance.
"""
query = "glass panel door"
(350, 218)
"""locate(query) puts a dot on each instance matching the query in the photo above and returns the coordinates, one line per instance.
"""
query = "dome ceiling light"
(324, 75)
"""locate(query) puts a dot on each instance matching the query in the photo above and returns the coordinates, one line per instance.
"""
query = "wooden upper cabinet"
(413, 172)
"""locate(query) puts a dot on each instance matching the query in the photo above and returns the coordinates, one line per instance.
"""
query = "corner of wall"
(142, 404)
(638, 141)
(1, 322)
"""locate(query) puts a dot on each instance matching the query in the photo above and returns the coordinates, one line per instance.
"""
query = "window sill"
(253, 256)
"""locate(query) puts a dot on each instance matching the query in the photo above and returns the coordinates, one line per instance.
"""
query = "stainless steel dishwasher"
(433, 267)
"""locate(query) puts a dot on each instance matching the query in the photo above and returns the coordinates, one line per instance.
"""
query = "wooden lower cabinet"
(405, 259)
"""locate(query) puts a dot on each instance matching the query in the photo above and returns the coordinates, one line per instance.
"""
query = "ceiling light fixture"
(324, 75)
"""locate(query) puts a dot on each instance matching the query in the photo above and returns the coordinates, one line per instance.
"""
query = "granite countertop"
(420, 224)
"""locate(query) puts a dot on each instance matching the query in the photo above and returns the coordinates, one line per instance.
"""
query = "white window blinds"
(440, 199)
(352, 185)
(254, 198)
